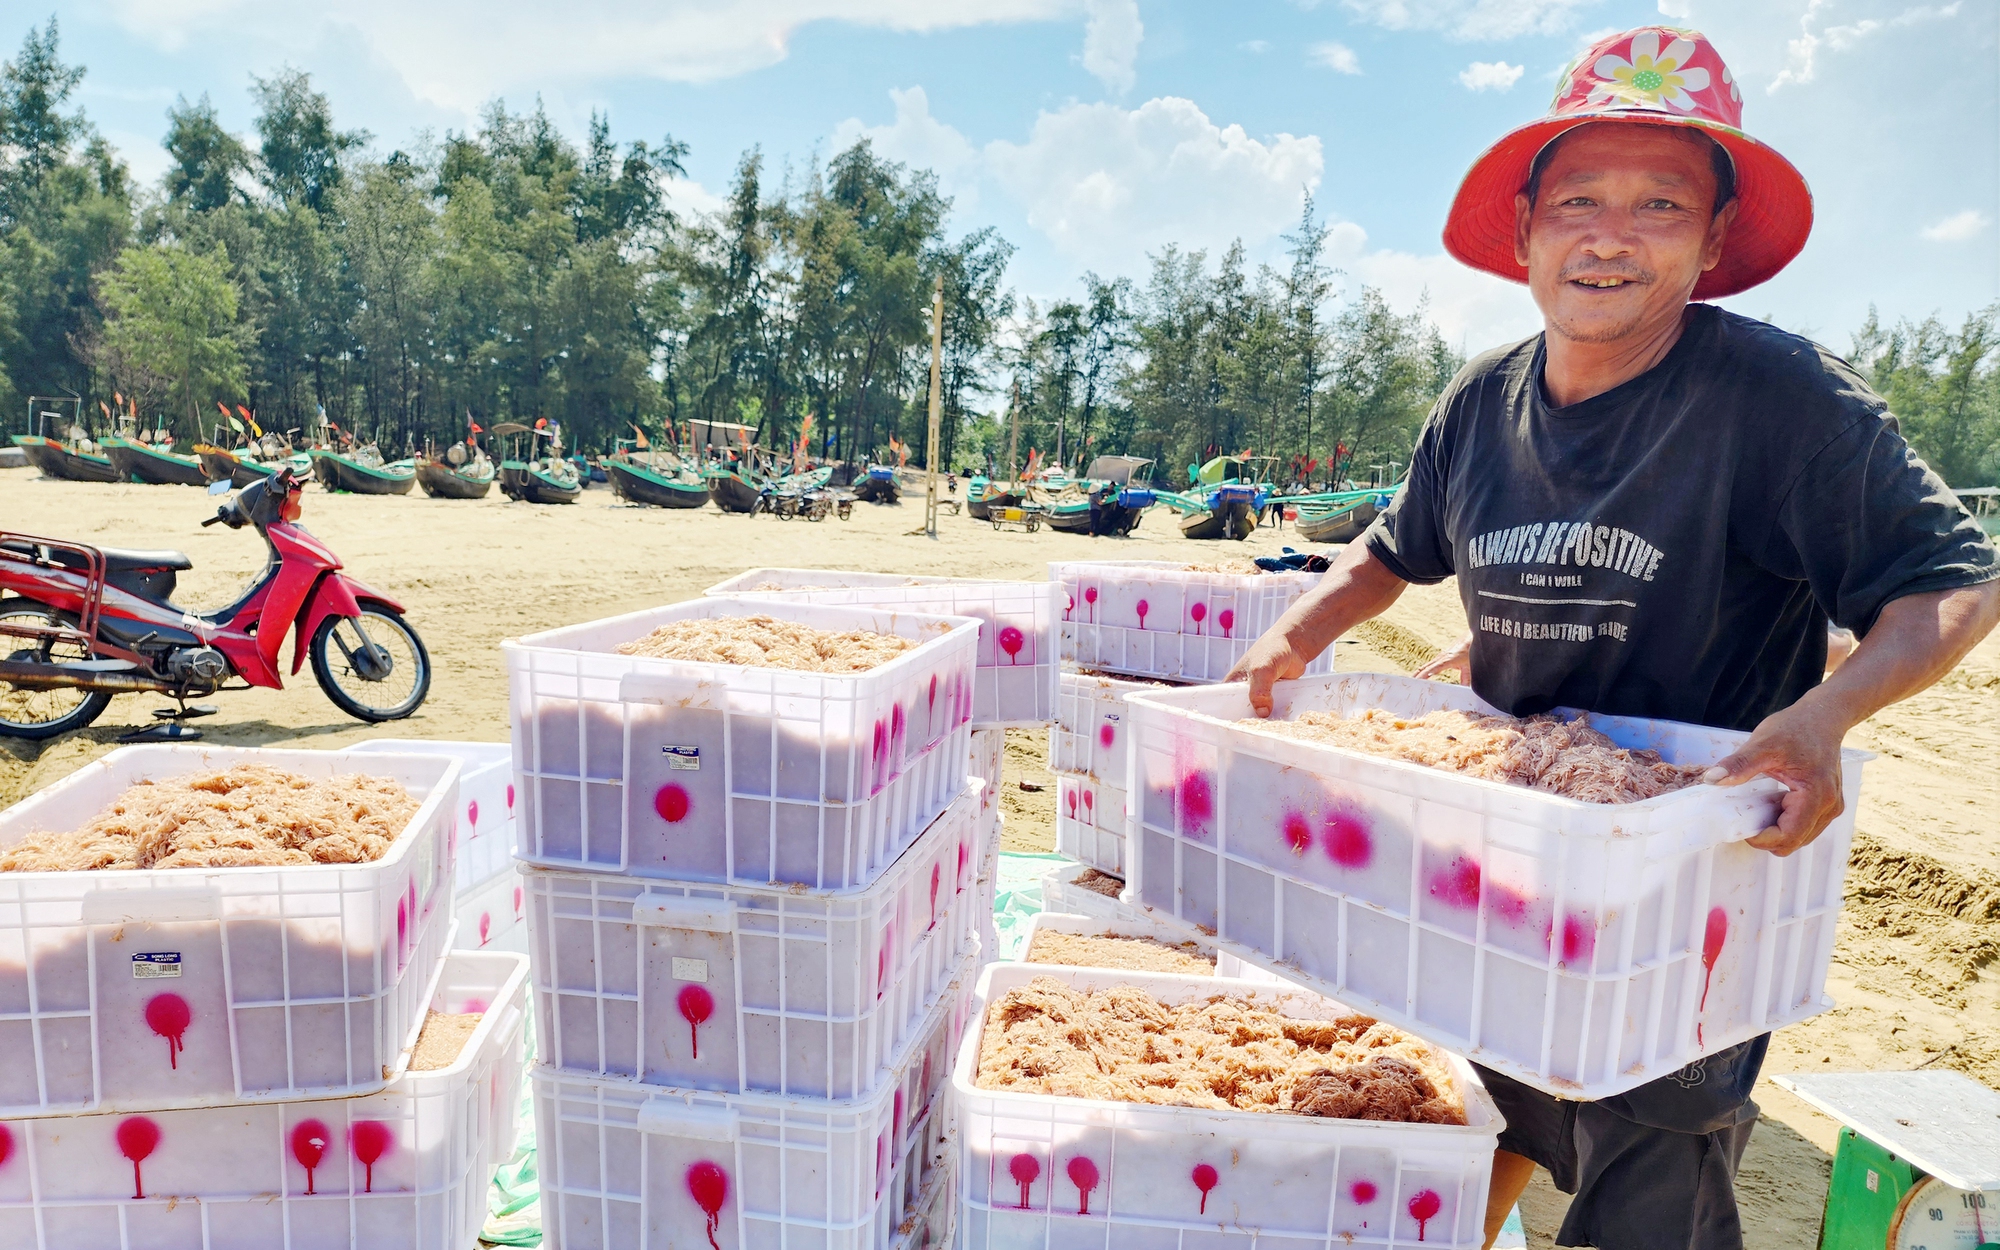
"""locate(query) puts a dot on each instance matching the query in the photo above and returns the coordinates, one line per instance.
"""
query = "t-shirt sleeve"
(1409, 536)
(1867, 522)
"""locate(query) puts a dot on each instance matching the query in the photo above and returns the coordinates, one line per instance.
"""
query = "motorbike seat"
(130, 560)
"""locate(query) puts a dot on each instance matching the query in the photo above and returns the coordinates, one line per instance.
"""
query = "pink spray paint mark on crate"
(696, 1006)
(517, 902)
(1204, 1178)
(1090, 802)
(937, 878)
(1090, 599)
(485, 927)
(1142, 607)
(1457, 884)
(168, 1015)
(1424, 1206)
(1363, 1193)
(6, 1145)
(1107, 733)
(510, 796)
(1199, 612)
(472, 814)
(671, 803)
(1197, 802)
(1011, 641)
(1070, 797)
(1712, 939)
(1083, 1175)
(1296, 831)
(708, 1185)
(371, 1139)
(1347, 841)
(1024, 1168)
(309, 1142)
(137, 1138)
(1227, 619)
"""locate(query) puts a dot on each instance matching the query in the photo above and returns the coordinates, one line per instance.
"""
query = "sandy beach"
(1914, 966)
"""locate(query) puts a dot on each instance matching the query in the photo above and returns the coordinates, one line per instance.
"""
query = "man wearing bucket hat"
(1654, 508)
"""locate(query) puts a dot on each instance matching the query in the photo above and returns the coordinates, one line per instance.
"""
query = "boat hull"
(1342, 525)
(227, 466)
(136, 462)
(877, 489)
(59, 462)
(530, 485)
(441, 481)
(1225, 520)
(339, 473)
(982, 507)
(641, 486)
(732, 494)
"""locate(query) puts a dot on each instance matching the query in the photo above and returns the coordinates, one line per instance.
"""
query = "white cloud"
(1255, 45)
(1107, 185)
(1802, 53)
(1471, 19)
(1676, 9)
(1490, 76)
(688, 199)
(923, 142)
(1335, 56)
(1958, 227)
(1111, 34)
(456, 54)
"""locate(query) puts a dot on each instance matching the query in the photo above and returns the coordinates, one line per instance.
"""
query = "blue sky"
(1093, 132)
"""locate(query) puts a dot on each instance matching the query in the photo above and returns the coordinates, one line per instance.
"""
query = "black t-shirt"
(1674, 547)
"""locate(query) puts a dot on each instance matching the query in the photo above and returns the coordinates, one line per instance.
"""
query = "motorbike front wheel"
(373, 667)
(36, 713)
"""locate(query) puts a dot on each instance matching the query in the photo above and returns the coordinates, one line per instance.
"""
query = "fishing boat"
(878, 485)
(463, 472)
(1225, 499)
(152, 465)
(1340, 522)
(654, 486)
(74, 463)
(983, 494)
(546, 479)
(1114, 495)
(363, 472)
(734, 489)
(219, 464)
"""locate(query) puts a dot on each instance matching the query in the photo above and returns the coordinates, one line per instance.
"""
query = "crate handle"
(1748, 795)
(670, 1118)
(120, 906)
(667, 690)
(713, 915)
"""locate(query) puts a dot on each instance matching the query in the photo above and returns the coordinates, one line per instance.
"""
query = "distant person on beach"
(1655, 508)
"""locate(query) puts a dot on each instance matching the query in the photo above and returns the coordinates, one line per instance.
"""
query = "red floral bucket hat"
(1657, 76)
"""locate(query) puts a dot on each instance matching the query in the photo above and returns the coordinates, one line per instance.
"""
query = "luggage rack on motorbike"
(36, 550)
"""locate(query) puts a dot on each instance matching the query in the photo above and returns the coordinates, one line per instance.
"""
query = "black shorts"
(1641, 1186)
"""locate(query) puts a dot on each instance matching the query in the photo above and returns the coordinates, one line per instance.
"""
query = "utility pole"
(1014, 436)
(931, 453)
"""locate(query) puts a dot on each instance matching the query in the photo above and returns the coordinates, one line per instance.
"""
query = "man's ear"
(1524, 212)
(1718, 230)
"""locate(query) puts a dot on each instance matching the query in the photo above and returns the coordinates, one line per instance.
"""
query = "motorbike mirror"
(219, 488)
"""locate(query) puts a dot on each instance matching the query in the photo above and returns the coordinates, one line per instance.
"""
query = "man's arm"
(1916, 640)
(1356, 588)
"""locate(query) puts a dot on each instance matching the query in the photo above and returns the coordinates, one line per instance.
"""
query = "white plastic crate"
(1060, 893)
(989, 751)
(140, 991)
(1089, 734)
(1136, 924)
(737, 988)
(404, 1167)
(1015, 680)
(714, 772)
(1581, 948)
(626, 1166)
(493, 916)
(1156, 618)
(1039, 1170)
(1090, 823)
(485, 801)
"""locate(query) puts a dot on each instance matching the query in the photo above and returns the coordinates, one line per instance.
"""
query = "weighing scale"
(1919, 1161)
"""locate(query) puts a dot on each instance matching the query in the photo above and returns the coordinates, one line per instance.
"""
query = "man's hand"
(1800, 747)
(1357, 587)
(1916, 640)
(1457, 659)
(1271, 658)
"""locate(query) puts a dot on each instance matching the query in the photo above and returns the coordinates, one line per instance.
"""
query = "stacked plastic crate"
(219, 1058)
(1014, 679)
(1129, 626)
(752, 913)
(489, 902)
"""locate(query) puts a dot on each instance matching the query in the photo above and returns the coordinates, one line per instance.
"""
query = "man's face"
(1620, 230)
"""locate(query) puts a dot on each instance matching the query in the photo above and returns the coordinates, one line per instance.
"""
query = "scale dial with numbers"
(1936, 1216)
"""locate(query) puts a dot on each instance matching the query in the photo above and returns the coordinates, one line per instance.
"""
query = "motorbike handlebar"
(212, 520)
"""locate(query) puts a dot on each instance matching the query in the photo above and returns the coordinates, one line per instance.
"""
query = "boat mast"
(1014, 436)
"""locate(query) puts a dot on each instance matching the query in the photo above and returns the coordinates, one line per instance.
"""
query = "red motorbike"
(79, 624)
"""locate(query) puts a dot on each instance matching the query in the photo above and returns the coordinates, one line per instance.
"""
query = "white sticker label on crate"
(158, 964)
(690, 969)
(683, 759)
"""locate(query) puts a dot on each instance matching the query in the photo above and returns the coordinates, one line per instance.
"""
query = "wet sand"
(1918, 941)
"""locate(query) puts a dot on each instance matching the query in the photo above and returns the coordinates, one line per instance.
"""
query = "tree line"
(507, 273)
